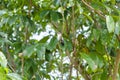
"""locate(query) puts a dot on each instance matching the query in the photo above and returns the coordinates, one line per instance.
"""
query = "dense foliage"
(79, 39)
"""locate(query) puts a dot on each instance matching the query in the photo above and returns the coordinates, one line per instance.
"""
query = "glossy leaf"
(29, 50)
(110, 23)
(52, 44)
(97, 59)
(14, 76)
(44, 40)
(41, 51)
(3, 60)
(89, 60)
(117, 27)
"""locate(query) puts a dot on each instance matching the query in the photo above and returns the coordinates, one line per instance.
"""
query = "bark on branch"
(116, 65)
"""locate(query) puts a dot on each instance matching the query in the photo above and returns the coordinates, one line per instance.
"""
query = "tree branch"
(11, 63)
(93, 10)
(71, 67)
(77, 67)
(116, 65)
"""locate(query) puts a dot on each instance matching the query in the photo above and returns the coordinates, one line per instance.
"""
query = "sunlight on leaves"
(110, 23)
(3, 60)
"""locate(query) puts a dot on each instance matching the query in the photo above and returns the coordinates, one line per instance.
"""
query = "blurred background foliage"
(75, 39)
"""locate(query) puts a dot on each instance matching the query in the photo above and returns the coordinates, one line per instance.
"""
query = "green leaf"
(89, 60)
(3, 60)
(48, 56)
(2, 74)
(44, 13)
(117, 27)
(104, 75)
(54, 16)
(29, 50)
(2, 12)
(4, 40)
(108, 9)
(68, 45)
(105, 37)
(113, 1)
(100, 61)
(41, 51)
(96, 34)
(52, 44)
(110, 23)
(99, 47)
(97, 59)
(12, 20)
(14, 76)
(44, 40)
(2, 34)
(57, 2)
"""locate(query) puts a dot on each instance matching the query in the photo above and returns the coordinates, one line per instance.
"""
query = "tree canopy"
(79, 39)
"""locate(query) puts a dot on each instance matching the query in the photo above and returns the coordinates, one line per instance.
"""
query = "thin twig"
(71, 67)
(61, 65)
(10, 67)
(22, 61)
(118, 37)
